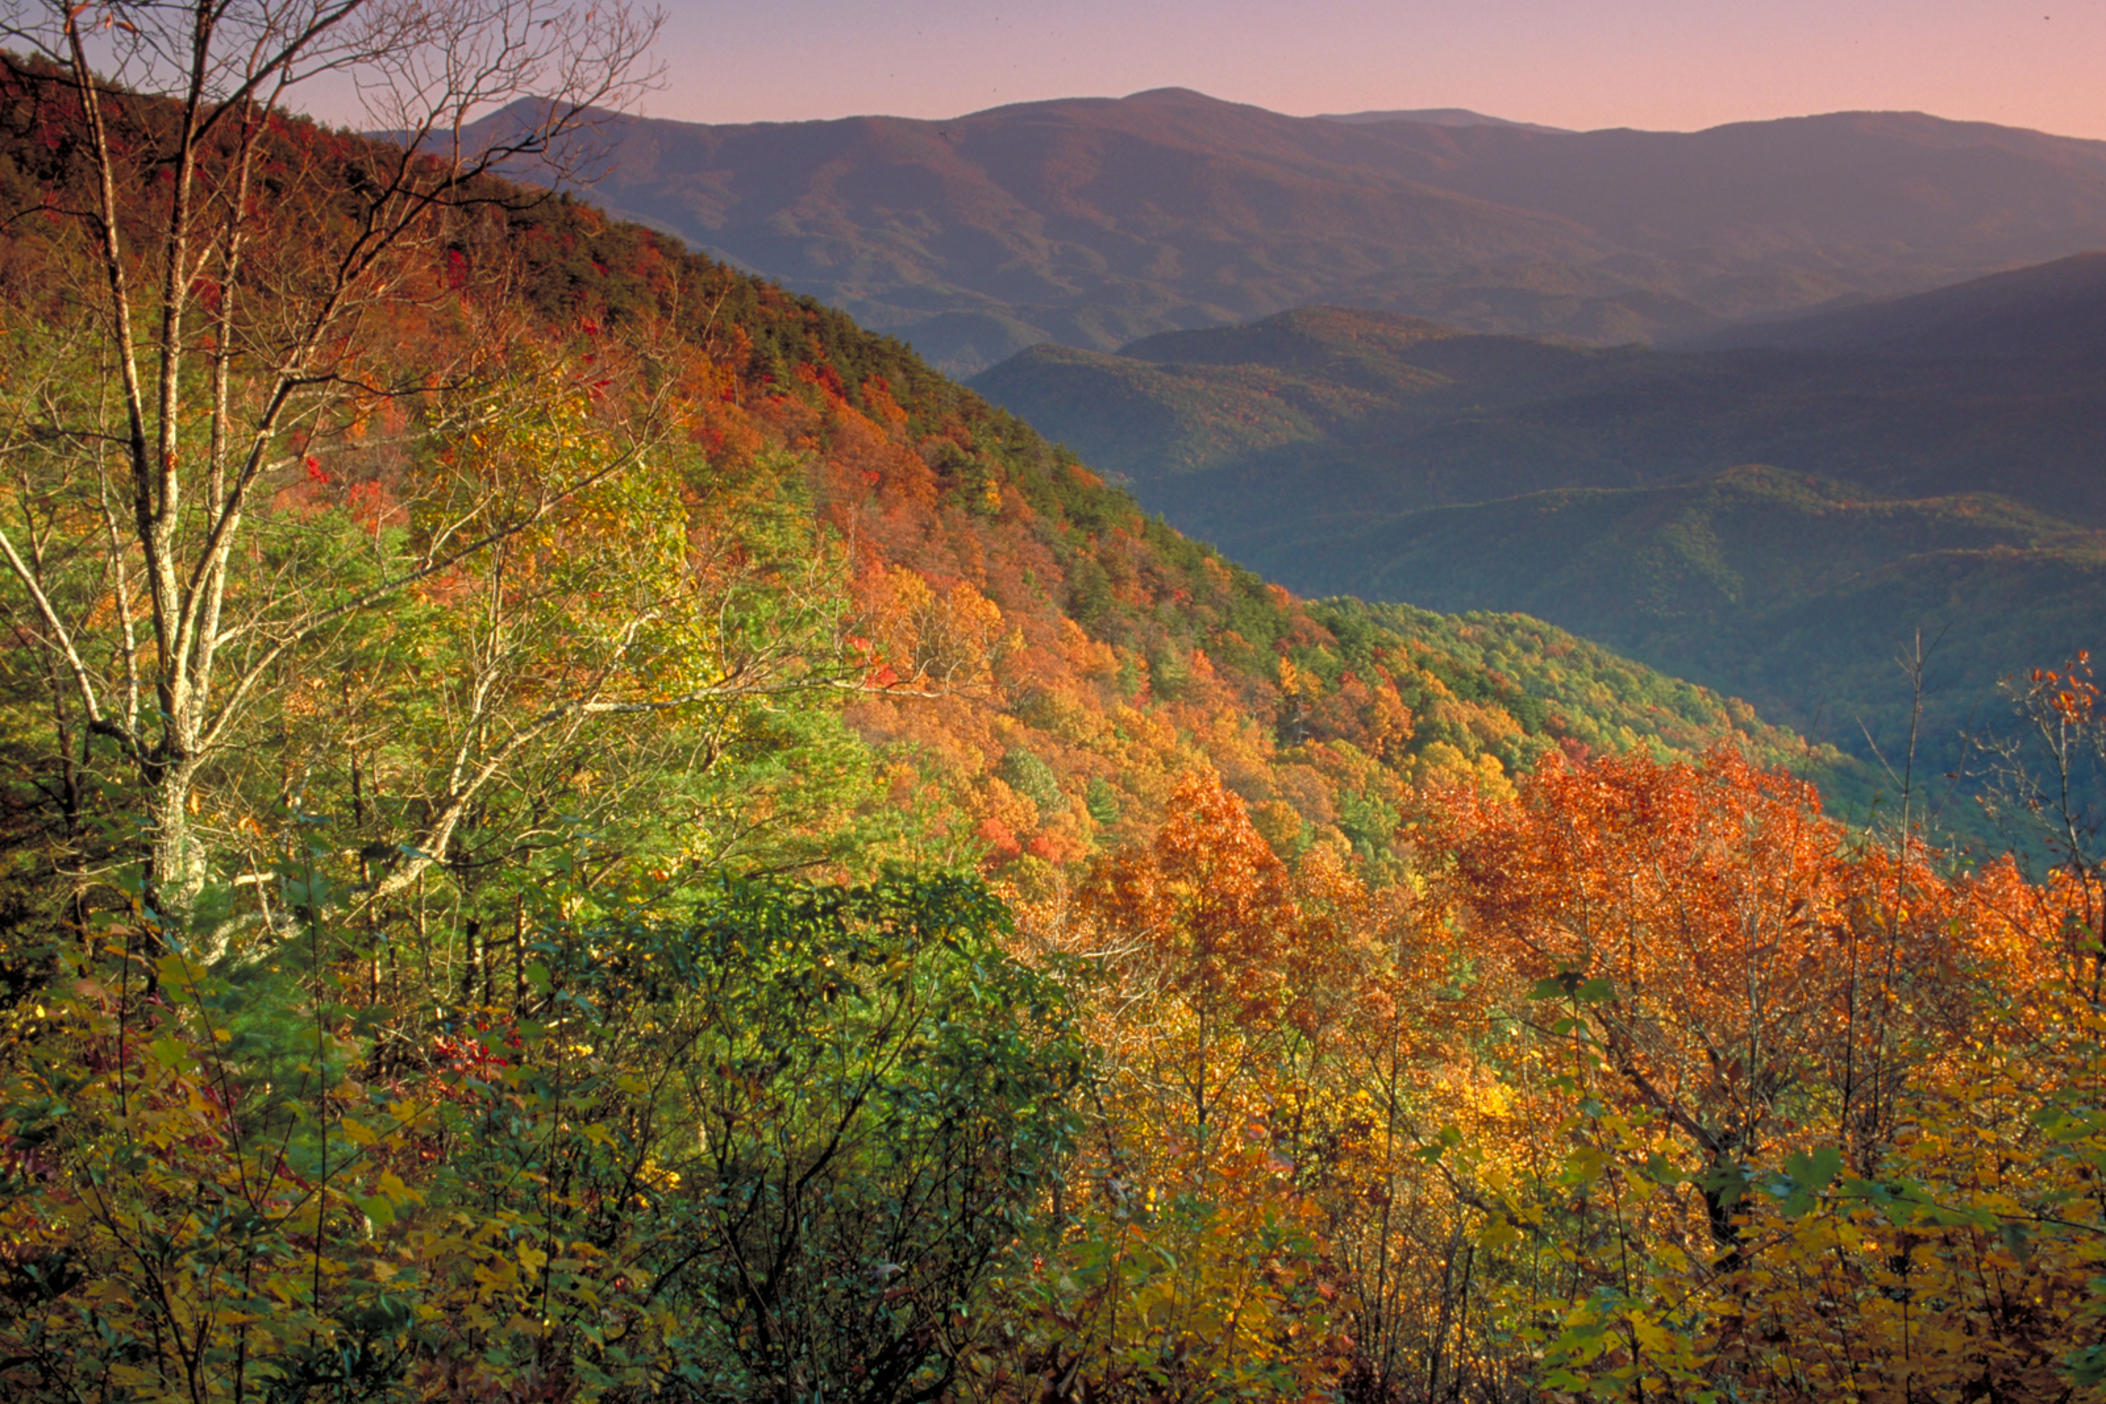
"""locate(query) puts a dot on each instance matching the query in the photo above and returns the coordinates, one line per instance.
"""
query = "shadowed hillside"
(1608, 491)
(1333, 412)
(2055, 311)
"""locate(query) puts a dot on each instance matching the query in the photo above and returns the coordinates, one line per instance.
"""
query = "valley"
(1780, 522)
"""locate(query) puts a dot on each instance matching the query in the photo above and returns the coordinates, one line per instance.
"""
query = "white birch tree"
(223, 338)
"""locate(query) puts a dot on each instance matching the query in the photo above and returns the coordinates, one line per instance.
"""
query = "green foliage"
(1565, 689)
(1032, 778)
(1102, 801)
(861, 1104)
(774, 1145)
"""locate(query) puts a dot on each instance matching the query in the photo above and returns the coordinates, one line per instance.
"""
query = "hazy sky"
(1570, 63)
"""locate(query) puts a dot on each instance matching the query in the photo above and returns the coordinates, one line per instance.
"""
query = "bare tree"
(226, 337)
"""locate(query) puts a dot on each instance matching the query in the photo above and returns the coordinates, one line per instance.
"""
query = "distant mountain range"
(1936, 462)
(1437, 116)
(1232, 425)
(1095, 221)
(2056, 311)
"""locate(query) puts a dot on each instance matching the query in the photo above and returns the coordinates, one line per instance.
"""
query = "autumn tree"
(2045, 784)
(1189, 1263)
(237, 290)
(1711, 993)
(1702, 918)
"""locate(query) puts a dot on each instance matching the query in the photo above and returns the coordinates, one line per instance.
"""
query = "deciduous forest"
(575, 826)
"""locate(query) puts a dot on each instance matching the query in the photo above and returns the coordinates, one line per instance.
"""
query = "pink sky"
(1572, 63)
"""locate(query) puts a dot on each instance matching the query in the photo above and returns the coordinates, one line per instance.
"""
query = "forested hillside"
(2049, 312)
(1777, 523)
(1093, 221)
(1382, 414)
(579, 827)
(752, 518)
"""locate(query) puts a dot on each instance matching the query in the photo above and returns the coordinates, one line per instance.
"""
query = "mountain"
(2053, 311)
(1436, 116)
(1095, 221)
(1088, 221)
(729, 867)
(922, 607)
(1615, 492)
(1796, 592)
(1347, 414)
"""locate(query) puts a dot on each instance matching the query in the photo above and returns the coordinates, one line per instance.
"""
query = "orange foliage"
(1193, 1252)
(1733, 949)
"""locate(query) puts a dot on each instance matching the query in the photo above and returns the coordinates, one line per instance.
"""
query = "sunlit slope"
(1038, 658)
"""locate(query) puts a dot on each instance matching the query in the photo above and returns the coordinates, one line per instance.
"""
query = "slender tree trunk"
(176, 875)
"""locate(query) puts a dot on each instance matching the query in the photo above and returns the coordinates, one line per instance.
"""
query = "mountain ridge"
(1097, 221)
(1771, 521)
(1436, 116)
(1398, 410)
(2055, 309)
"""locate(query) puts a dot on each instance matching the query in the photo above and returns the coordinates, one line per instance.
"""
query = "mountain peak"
(1432, 117)
(1183, 97)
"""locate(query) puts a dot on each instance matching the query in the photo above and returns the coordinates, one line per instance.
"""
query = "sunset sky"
(1573, 63)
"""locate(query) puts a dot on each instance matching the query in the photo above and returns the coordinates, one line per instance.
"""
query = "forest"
(573, 825)
(1771, 521)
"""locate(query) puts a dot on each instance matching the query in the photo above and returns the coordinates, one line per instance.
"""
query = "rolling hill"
(1095, 221)
(1796, 592)
(1615, 492)
(1350, 413)
(2052, 311)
